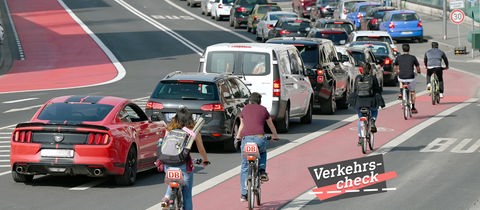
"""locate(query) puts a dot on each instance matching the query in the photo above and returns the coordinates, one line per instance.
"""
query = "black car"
(217, 98)
(290, 27)
(365, 55)
(323, 9)
(335, 23)
(385, 58)
(338, 35)
(330, 82)
(374, 16)
(240, 11)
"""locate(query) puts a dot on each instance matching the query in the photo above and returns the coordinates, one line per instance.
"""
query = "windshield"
(347, 26)
(310, 55)
(280, 16)
(358, 56)
(75, 112)
(338, 38)
(238, 63)
(374, 38)
(405, 17)
(296, 25)
(376, 48)
(186, 90)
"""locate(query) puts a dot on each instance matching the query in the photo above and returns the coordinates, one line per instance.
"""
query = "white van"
(275, 71)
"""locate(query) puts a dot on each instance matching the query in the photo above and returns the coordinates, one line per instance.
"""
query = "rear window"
(238, 63)
(347, 26)
(75, 112)
(405, 17)
(185, 90)
(374, 38)
(338, 38)
(377, 48)
(365, 8)
(310, 55)
(280, 16)
(379, 14)
(296, 25)
(358, 56)
(265, 9)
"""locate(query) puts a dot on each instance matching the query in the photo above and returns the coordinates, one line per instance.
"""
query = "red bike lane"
(58, 51)
(288, 172)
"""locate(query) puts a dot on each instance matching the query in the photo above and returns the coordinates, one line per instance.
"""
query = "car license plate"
(62, 153)
(407, 32)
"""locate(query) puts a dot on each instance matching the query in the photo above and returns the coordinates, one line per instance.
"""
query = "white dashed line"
(19, 100)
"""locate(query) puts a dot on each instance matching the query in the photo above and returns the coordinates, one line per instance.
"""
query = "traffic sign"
(457, 16)
(456, 4)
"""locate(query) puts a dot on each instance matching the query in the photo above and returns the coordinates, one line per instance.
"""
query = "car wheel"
(233, 145)
(130, 173)
(284, 125)
(212, 17)
(21, 177)
(330, 106)
(217, 18)
(307, 119)
(203, 13)
(188, 3)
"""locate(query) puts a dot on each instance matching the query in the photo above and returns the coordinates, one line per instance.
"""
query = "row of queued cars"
(307, 65)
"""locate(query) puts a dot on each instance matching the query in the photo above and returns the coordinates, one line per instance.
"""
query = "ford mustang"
(97, 136)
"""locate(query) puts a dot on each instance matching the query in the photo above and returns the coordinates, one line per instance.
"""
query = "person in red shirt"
(252, 121)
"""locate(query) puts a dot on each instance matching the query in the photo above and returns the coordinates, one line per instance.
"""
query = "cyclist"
(251, 129)
(404, 67)
(183, 118)
(433, 62)
(367, 93)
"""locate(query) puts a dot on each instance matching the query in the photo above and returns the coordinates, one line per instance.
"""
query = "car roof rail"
(171, 74)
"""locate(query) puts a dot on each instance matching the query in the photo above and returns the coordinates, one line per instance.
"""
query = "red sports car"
(86, 135)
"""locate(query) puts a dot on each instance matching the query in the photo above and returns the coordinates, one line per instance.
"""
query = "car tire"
(24, 178)
(217, 18)
(284, 125)
(212, 17)
(203, 13)
(330, 106)
(130, 173)
(307, 119)
(233, 145)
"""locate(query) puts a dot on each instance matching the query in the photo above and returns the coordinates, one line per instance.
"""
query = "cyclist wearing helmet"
(367, 93)
(404, 67)
(433, 62)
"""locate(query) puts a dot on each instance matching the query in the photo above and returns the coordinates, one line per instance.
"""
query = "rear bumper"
(406, 34)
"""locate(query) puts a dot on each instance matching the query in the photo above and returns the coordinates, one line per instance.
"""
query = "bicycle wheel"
(250, 192)
(371, 139)
(434, 91)
(176, 193)
(258, 192)
(406, 103)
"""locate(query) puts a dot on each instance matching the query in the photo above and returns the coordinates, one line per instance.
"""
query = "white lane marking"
(22, 109)
(89, 185)
(6, 172)
(19, 100)
(4, 155)
(4, 137)
(4, 142)
(8, 127)
(172, 17)
(4, 161)
(160, 26)
(5, 146)
(209, 22)
(307, 196)
(5, 151)
(120, 69)
(15, 34)
(5, 133)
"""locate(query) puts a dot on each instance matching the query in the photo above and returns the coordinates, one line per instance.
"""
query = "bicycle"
(406, 101)
(435, 89)
(174, 179)
(252, 154)
(366, 134)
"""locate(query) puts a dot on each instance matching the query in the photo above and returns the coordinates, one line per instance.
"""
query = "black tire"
(203, 13)
(371, 140)
(258, 194)
(130, 174)
(330, 106)
(307, 119)
(284, 125)
(364, 145)
(232, 145)
(217, 18)
(24, 178)
(250, 192)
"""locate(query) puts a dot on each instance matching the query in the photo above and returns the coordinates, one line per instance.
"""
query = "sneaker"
(263, 176)
(441, 95)
(165, 202)
(373, 128)
(414, 111)
(243, 198)
(400, 96)
(429, 86)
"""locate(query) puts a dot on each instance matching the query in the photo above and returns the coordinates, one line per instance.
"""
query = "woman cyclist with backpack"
(367, 93)
(183, 118)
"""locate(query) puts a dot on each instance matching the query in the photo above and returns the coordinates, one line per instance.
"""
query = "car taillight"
(374, 21)
(22, 136)
(98, 139)
(320, 76)
(276, 88)
(241, 9)
(154, 105)
(419, 24)
(387, 61)
(220, 6)
(212, 107)
(360, 70)
(391, 25)
(359, 16)
(255, 18)
(284, 32)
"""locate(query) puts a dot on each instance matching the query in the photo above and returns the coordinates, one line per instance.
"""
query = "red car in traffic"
(95, 136)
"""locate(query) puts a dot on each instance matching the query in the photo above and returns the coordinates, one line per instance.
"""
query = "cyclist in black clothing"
(433, 62)
(404, 67)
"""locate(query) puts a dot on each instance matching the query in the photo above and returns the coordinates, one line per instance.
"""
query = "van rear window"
(238, 63)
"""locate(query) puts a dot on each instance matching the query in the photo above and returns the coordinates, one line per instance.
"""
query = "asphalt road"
(149, 51)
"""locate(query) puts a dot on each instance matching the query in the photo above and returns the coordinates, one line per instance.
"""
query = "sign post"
(457, 16)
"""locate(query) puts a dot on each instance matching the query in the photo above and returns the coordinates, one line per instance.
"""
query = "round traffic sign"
(457, 16)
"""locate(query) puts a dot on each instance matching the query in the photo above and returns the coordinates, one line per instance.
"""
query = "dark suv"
(240, 11)
(329, 80)
(217, 98)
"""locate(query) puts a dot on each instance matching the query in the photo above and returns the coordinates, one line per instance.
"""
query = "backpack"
(175, 147)
(365, 86)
